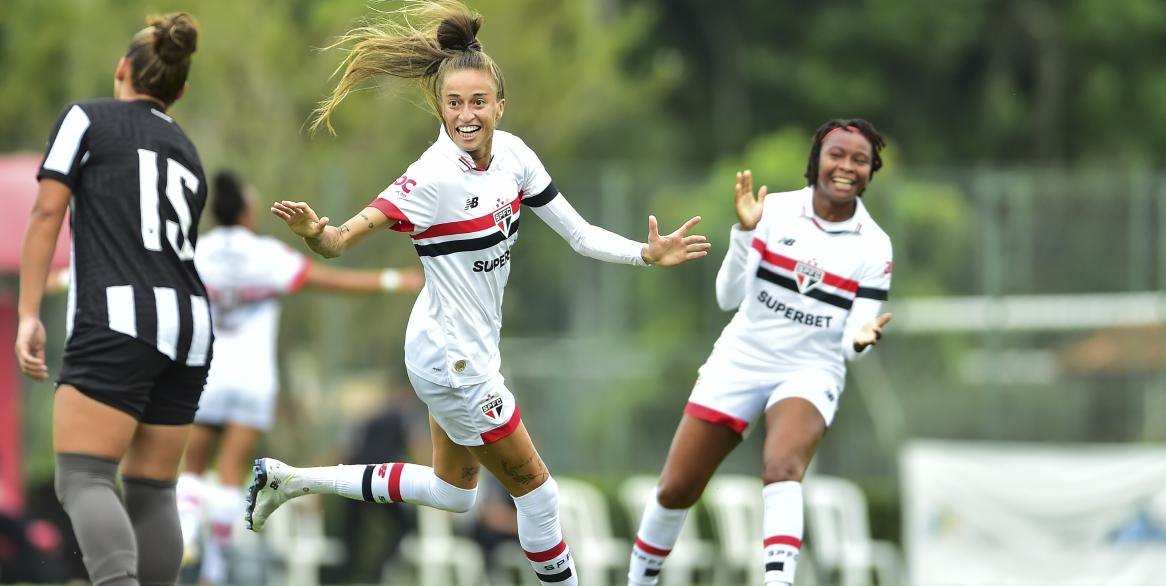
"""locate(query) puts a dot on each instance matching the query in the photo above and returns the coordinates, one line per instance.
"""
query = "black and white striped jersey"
(138, 192)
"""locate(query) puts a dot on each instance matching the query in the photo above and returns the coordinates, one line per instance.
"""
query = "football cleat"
(268, 490)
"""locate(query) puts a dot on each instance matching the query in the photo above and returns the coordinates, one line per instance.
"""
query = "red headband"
(836, 129)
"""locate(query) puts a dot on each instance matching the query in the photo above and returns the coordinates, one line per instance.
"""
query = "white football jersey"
(463, 221)
(803, 288)
(244, 275)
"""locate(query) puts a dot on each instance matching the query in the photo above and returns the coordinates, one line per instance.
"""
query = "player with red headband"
(807, 271)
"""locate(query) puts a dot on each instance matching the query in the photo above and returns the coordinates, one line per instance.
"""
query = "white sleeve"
(585, 238)
(411, 200)
(731, 276)
(66, 148)
(283, 269)
(873, 288)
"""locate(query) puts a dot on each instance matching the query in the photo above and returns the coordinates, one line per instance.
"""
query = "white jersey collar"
(455, 153)
(853, 225)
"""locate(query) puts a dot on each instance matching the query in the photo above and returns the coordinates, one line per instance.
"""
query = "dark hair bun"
(175, 36)
(459, 33)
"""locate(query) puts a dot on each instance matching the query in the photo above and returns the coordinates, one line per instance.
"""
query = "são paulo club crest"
(502, 217)
(807, 276)
(493, 405)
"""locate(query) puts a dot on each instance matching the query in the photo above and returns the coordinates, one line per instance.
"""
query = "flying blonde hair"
(423, 41)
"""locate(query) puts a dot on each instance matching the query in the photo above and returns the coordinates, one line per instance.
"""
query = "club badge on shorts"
(493, 406)
(459, 366)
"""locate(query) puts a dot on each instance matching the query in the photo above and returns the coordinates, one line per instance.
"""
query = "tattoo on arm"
(343, 229)
(370, 224)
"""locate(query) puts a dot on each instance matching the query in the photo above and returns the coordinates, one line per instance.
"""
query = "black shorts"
(131, 376)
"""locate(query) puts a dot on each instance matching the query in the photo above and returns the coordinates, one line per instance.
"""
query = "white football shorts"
(221, 404)
(474, 415)
(735, 398)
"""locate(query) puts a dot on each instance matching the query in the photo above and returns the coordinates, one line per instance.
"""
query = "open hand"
(674, 248)
(30, 348)
(870, 334)
(748, 206)
(300, 218)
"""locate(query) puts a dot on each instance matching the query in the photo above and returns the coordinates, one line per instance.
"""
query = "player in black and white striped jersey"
(139, 331)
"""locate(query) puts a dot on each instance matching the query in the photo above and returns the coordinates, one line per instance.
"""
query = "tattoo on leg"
(518, 472)
(469, 472)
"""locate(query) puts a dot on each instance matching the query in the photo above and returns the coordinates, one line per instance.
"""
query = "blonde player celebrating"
(807, 272)
(245, 275)
(461, 204)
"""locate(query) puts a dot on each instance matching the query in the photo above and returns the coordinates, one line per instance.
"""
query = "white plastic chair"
(600, 558)
(837, 520)
(441, 557)
(296, 536)
(691, 555)
(734, 505)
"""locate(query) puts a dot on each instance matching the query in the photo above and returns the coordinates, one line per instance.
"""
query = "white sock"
(392, 482)
(541, 537)
(659, 530)
(783, 525)
(226, 516)
(190, 491)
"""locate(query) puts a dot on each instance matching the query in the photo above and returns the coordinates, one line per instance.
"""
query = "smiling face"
(470, 111)
(844, 167)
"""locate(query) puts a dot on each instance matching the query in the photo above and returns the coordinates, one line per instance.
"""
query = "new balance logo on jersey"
(471, 203)
(808, 276)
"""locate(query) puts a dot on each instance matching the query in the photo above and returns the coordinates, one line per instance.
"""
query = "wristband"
(390, 279)
(64, 279)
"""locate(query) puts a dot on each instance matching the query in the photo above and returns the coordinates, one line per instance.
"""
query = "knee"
(676, 495)
(78, 473)
(782, 469)
(540, 503)
(454, 499)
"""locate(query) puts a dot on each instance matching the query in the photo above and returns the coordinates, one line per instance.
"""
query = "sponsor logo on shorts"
(493, 405)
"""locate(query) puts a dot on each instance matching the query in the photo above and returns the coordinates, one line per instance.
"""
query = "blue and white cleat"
(268, 490)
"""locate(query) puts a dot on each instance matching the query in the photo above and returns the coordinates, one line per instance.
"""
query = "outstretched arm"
(595, 242)
(328, 241)
(340, 280)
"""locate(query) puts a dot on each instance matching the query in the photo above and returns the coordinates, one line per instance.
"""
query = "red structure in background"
(18, 188)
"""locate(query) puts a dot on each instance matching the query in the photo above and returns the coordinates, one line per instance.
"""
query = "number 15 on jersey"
(177, 177)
